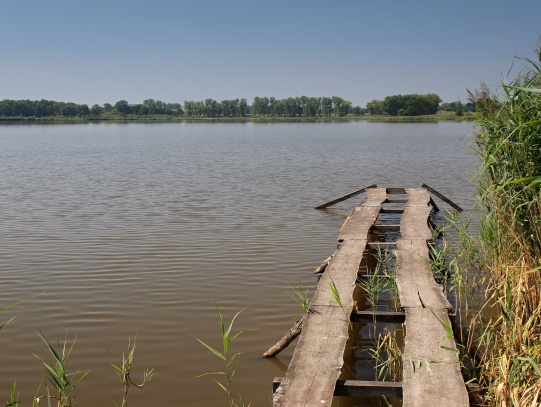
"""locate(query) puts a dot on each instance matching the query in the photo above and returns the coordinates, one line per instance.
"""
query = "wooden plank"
(431, 369)
(343, 198)
(395, 201)
(396, 191)
(443, 198)
(414, 278)
(431, 375)
(383, 226)
(363, 217)
(382, 245)
(360, 388)
(383, 210)
(318, 358)
(379, 316)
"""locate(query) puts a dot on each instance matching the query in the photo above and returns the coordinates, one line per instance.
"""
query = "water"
(140, 229)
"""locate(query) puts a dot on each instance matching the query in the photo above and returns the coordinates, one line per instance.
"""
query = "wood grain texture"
(431, 375)
(431, 369)
(318, 358)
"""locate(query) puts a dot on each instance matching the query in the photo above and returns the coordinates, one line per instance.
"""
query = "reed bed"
(504, 335)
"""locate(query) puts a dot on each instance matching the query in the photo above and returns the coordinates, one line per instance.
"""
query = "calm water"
(139, 229)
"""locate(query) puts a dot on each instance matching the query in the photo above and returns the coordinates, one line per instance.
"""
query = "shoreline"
(263, 119)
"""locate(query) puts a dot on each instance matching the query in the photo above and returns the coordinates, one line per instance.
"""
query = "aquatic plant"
(57, 376)
(123, 371)
(227, 337)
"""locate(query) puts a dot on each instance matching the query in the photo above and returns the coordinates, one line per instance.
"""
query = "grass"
(381, 279)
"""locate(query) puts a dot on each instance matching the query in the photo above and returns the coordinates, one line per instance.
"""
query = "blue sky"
(103, 51)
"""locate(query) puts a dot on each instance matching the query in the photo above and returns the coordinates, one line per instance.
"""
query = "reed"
(504, 336)
(57, 375)
(227, 358)
(123, 371)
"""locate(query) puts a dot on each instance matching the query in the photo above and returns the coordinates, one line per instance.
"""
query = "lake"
(125, 230)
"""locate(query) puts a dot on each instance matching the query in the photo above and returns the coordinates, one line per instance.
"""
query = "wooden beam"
(383, 210)
(436, 209)
(359, 388)
(396, 191)
(382, 245)
(378, 316)
(343, 198)
(443, 197)
(395, 201)
(383, 226)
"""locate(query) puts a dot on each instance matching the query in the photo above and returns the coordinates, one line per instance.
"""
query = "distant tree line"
(405, 105)
(302, 106)
(45, 108)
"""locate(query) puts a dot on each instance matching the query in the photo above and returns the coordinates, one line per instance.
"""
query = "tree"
(122, 107)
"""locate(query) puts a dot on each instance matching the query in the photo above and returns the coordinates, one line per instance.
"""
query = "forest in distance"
(303, 106)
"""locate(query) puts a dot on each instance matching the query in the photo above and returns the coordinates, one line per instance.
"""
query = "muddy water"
(140, 229)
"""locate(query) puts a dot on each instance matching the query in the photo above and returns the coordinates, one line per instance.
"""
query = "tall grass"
(506, 332)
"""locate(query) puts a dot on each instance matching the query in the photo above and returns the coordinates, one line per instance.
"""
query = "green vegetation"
(123, 371)
(57, 377)
(509, 145)
(226, 357)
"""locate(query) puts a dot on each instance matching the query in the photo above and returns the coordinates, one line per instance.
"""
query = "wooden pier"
(431, 370)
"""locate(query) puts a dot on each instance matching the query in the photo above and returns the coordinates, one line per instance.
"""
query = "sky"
(175, 50)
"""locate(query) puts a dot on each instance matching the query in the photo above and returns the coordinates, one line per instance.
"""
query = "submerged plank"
(318, 358)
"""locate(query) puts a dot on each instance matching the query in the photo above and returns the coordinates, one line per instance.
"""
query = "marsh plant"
(503, 263)
(59, 381)
(228, 359)
(300, 296)
(381, 279)
(123, 371)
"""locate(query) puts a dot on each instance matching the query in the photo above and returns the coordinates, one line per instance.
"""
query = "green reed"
(57, 375)
(503, 336)
(123, 371)
(227, 358)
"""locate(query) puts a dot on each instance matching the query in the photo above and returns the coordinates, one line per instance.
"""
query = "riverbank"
(441, 116)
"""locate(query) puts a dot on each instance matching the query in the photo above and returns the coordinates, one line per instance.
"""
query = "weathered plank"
(396, 191)
(431, 369)
(379, 316)
(360, 388)
(343, 198)
(318, 358)
(431, 375)
(362, 217)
